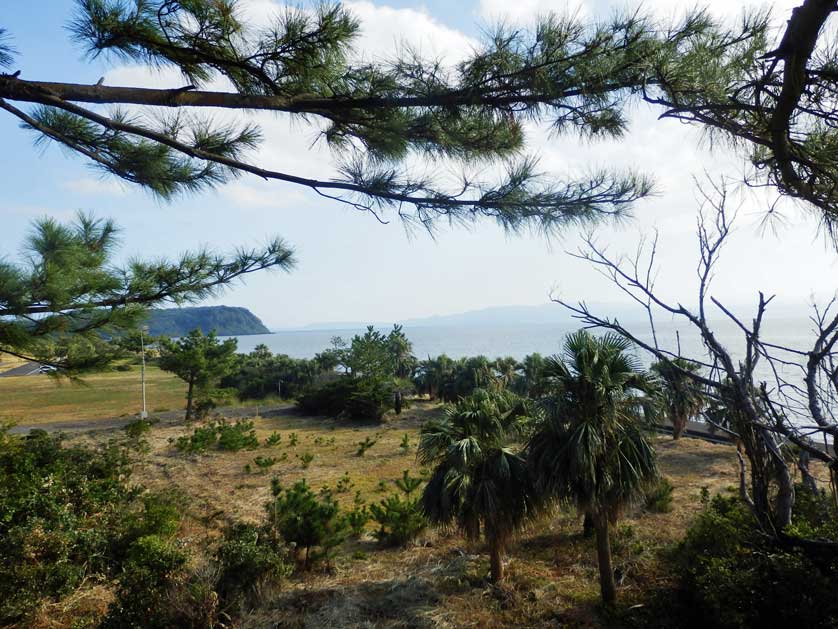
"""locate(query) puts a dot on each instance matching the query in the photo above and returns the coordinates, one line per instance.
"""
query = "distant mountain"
(540, 314)
(497, 315)
(225, 320)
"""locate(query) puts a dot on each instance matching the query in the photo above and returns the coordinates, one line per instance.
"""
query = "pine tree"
(66, 292)
(201, 361)
(577, 77)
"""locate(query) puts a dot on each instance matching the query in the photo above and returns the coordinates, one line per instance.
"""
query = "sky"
(352, 268)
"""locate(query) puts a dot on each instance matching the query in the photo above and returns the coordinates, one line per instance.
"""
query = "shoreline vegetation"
(313, 509)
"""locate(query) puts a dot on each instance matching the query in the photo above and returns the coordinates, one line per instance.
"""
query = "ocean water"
(519, 340)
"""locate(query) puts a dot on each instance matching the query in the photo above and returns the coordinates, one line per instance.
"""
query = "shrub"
(249, 559)
(658, 498)
(61, 517)
(274, 439)
(327, 398)
(237, 436)
(221, 435)
(370, 399)
(732, 575)
(152, 566)
(260, 374)
(357, 518)
(160, 516)
(305, 459)
(359, 398)
(202, 439)
(265, 463)
(137, 428)
(405, 444)
(344, 483)
(312, 524)
(399, 517)
(365, 445)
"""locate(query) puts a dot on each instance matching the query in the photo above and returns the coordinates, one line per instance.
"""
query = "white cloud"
(90, 186)
(525, 11)
(384, 28)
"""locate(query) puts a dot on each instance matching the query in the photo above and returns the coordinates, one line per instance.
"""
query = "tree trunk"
(189, 393)
(808, 480)
(603, 550)
(785, 495)
(679, 425)
(496, 559)
(587, 525)
(398, 403)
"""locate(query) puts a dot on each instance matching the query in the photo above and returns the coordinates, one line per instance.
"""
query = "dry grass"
(40, 398)
(7, 361)
(442, 580)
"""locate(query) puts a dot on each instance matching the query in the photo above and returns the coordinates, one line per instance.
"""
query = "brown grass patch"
(442, 580)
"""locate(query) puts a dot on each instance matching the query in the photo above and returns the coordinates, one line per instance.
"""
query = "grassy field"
(40, 398)
(441, 581)
(7, 361)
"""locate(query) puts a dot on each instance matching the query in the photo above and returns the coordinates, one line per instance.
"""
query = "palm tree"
(506, 369)
(589, 448)
(433, 373)
(532, 376)
(682, 399)
(479, 483)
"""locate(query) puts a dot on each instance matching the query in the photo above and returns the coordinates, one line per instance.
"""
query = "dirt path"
(168, 418)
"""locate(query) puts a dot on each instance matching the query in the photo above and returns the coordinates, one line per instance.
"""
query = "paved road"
(26, 369)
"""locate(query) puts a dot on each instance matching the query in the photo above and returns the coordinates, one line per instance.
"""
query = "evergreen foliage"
(66, 292)
(682, 398)
(578, 77)
(225, 320)
(732, 576)
(399, 516)
(590, 447)
(479, 483)
(68, 514)
(201, 361)
(313, 526)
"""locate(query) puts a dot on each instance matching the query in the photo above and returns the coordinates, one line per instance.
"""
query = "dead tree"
(767, 419)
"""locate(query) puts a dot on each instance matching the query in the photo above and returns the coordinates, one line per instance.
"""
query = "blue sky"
(353, 268)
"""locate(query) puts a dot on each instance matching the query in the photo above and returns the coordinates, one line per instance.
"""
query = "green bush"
(237, 436)
(327, 398)
(62, 517)
(734, 576)
(249, 559)
(305, 459)
(222, 435)
(365, 445)
(312, 524)
(357, 518)
(274, 439)
(359, 398)
(202, 439)
(370, 399)
(137, 428)
(658, 498)
(152, 566)
(265, 463)
(399, 517)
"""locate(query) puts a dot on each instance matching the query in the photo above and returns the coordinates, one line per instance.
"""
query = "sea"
(518, 340)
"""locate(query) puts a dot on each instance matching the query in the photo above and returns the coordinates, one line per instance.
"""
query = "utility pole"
(144, 412)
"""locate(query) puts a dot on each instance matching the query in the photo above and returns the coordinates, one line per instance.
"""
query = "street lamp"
(144, 412)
